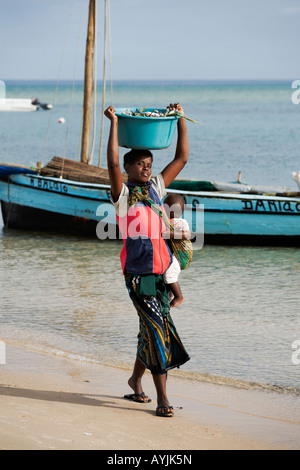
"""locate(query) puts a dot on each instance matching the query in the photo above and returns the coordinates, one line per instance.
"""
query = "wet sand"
(56, 403)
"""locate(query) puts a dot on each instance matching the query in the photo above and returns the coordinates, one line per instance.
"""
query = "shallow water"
(251, 127)
(66, 296)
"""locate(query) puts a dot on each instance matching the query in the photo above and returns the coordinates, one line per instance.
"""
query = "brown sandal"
(165, 411)
(138, 397)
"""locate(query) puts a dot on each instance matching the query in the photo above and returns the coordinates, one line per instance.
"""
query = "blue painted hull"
(38, 203)
(223, 217)
(244, 214)
(7, 170)
(244, 218)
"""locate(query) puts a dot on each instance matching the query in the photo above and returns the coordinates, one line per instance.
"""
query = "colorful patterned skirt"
(159, 346)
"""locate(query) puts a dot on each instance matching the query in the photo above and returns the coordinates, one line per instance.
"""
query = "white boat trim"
(17, 104)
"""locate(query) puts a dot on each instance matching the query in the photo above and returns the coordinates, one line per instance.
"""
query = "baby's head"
(174, 206)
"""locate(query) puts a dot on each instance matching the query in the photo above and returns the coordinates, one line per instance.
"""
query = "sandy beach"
(56, 403)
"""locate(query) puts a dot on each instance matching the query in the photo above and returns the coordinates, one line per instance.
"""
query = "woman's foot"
(164, 409)
(138, 395)
(163, 406)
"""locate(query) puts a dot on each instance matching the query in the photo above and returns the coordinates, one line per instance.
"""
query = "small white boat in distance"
(22, 104)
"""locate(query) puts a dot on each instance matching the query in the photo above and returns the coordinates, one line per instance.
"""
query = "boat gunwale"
(58, 180)
(233, 195)
(205, 194)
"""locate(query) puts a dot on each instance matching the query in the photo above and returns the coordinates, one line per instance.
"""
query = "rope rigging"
(106, 27)
(57, 82)
(107, 42)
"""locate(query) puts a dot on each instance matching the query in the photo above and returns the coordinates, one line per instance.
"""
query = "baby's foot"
(176, 301)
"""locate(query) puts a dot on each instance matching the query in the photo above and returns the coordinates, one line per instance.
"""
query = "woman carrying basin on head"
(145, 257)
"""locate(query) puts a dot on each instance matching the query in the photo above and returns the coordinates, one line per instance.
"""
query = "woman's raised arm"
(170, 172)
(113, 163)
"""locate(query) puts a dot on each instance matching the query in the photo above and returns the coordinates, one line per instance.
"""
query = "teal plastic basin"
(138, 132)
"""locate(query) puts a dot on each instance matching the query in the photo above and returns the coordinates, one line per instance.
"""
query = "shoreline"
(181, 373)
(50, 402)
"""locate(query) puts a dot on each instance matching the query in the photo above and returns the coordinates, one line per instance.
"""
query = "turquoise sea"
(66, 296)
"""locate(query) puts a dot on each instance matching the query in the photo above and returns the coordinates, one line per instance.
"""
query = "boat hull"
(17, 105)
(32, 202)
(244, 219)
(38, 203)
(29, 218)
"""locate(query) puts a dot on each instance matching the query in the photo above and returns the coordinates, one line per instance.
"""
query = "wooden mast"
(88, 84)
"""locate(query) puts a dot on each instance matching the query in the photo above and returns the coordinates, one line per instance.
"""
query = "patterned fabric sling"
(182, 249)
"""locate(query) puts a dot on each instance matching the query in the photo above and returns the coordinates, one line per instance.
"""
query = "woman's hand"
(170, 172)
(110, 113)
(176, 107)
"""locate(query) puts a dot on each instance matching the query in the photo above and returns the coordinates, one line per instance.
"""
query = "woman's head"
(138, 165)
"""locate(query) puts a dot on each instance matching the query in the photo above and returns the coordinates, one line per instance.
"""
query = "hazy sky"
(154, 39)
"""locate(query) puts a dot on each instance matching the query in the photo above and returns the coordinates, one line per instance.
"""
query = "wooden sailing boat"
(73, 197)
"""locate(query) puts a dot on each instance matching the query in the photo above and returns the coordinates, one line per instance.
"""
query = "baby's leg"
(176, 291)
